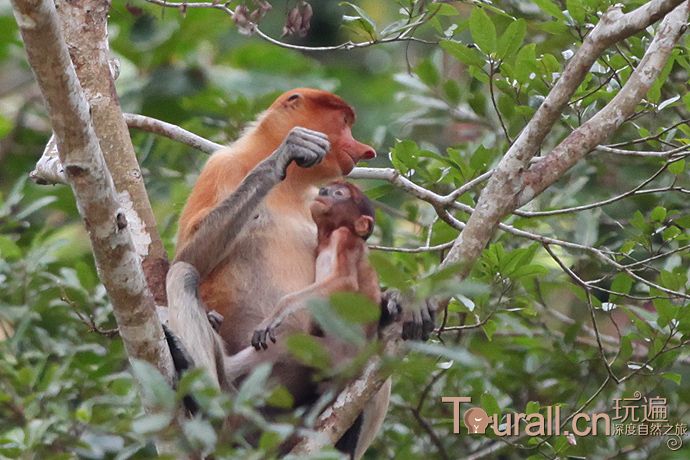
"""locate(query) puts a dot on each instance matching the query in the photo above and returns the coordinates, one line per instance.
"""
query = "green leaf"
(362, 20)
(512, 38)
(389, 273)
(532, 407)
(404, 155)
(427, 72)
(625, 349)
(489, 328)
(489, 404)
(281, 398)
(677, 167)
(154, 388)
(658, 214)
(529, 270)
(451, 89)
(35, 206)
(576, 10)
(483, 31)
(333, 324)
(355, 307)
(200, 435)
(622, 284)
(673, 377)
(525, 63)
(152, 423)
(551, 8)
(686, 101)
(9, 249)
(638, 221)
(307, 350)
(463, 53)
(254, 385)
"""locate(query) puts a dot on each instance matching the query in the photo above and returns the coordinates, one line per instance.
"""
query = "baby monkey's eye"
(339, 192)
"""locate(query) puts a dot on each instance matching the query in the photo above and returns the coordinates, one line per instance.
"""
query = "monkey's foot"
(391, 307)
(419, 321)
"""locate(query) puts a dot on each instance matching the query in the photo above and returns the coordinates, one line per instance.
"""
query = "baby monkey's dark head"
(341, 204)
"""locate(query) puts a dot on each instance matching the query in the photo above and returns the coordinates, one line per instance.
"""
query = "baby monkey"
(344, 218)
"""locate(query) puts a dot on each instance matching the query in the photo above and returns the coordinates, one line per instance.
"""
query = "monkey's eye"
(323, 191)
(293, 97)
(339, 193)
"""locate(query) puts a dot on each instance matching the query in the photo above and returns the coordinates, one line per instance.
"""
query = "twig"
(348, 45)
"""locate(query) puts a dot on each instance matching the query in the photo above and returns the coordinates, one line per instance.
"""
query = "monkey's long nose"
(366, 152)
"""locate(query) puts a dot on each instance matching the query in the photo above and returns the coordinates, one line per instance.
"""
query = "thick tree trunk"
(85, 30)
(106, 221)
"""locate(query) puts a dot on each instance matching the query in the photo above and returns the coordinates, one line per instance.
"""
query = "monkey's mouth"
(350, 160)
(357, 158)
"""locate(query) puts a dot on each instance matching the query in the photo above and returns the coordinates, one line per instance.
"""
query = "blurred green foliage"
(446, 112)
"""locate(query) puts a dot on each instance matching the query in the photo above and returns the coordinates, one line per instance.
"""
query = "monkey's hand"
(303, 146)
(418, 320)
(265, 331)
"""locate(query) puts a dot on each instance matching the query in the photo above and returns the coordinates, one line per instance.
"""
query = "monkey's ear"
(364, 226)
(293, 100)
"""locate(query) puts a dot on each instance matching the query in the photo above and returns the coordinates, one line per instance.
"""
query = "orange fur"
(275, 254)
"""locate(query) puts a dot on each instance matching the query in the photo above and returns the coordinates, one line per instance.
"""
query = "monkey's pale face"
(328, 197)
(335, 207)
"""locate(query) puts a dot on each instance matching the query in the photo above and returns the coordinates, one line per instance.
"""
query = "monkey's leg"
(198, 342)
(220, 227)
(372, 419)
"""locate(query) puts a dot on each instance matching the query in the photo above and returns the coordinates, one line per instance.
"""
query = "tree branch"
(48, 170)
(171, 131)
(509, 186)
(591, 133)
(345, 46)
(341, 414)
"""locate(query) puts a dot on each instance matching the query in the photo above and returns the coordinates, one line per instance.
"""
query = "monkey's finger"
(310, 147)
(319, 139)
(258, 340)
(412, 328)
(309, 133)
(272, 334)
(393, 306)
(255, 340)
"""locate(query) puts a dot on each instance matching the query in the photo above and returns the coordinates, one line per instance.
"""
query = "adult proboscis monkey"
(246, 236)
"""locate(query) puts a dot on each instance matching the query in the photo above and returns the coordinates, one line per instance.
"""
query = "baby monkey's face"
(338, 205)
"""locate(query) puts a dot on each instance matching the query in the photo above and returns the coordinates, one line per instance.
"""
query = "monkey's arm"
(297, 301)
(343, 277)
(219, 228)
